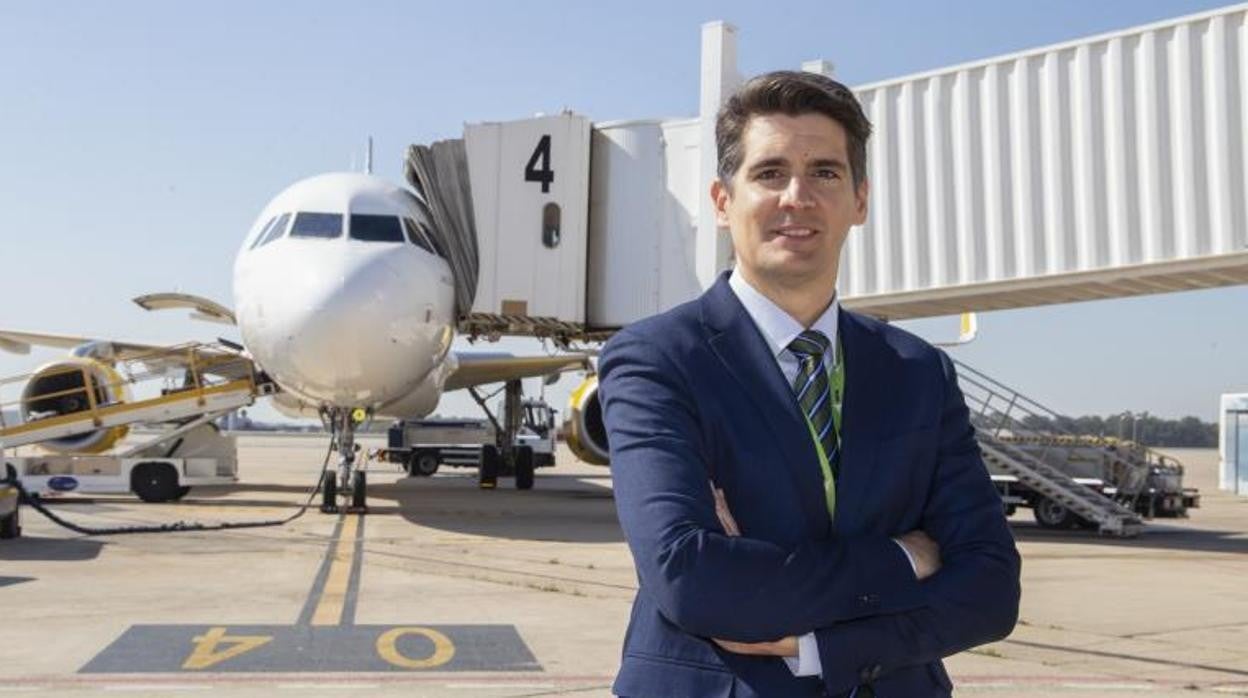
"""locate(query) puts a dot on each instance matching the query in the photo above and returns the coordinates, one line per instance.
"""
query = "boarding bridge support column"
(713, 251)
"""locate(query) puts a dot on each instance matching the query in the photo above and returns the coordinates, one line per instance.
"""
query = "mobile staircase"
(1020, 442)
(1138, 477)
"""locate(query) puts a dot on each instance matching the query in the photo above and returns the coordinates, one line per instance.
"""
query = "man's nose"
(797, 194)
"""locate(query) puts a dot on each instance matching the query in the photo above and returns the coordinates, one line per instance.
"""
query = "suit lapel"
(862, 415)
(739, 345)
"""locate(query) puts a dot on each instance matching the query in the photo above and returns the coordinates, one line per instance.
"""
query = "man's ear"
(860, 201)
(720, 197)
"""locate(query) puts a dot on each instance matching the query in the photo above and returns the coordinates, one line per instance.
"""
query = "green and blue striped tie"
(820, 403)
(814, 392)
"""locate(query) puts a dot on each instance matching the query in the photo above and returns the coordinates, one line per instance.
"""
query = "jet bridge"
(1105, 167)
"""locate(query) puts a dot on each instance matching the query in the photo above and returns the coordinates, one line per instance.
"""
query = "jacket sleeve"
(702, 580)
(974, 597)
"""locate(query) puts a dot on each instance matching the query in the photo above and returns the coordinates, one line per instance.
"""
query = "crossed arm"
(858, 593)
(704, 581)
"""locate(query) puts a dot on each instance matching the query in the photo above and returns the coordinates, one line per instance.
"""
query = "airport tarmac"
(447, 590)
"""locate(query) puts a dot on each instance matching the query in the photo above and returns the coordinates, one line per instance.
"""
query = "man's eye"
(827, 173)
(767, 174)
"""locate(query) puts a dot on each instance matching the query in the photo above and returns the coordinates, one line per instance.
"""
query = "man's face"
(792, 200)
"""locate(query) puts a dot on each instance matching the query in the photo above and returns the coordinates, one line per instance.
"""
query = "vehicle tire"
(487, 475)
(423, 464)
(329, 492)
(1052, 515)
(154, 482)
(11, 525)
(1085, 524)
(524, 468)
(359, 490)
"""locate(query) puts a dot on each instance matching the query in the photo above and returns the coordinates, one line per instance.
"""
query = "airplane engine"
(67, 386)
(583, 427)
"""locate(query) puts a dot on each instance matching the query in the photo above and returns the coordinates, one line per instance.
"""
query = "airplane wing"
(21, 342)
(208, 359)
(478, 369)
(204, 309)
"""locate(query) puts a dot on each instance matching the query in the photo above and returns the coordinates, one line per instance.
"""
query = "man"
(857, 538)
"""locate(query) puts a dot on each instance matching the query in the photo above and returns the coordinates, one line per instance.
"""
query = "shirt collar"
(778, 327)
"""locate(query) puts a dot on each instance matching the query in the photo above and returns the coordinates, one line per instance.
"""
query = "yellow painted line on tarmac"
(334, 596)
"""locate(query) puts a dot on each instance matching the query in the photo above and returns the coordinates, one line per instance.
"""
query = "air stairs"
(209, 382)
(1006, 425)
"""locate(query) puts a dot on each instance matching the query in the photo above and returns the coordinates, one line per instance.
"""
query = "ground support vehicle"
(83, 411)
(423, 446)
(163, 471)
(10, 504)
(1135, 476)
(1068, 480)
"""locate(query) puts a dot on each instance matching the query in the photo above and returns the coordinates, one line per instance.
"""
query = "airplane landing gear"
(506, 457)
(329, 493)
(347, 480)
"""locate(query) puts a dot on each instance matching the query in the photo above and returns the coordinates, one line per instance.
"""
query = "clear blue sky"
(138, 140)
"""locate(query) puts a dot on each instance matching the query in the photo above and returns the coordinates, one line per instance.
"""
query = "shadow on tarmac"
(1155, 536)
(561, 508)
(37, 549)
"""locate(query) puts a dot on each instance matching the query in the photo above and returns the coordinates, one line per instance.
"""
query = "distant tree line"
(1188, 432)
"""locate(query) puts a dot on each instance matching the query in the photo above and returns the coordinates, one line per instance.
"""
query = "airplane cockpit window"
(263, 233)
(433, 240)
(416, 237)
(317, 225)
(373, 228)
(274, 232)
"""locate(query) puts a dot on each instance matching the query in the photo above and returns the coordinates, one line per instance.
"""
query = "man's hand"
(924, 551)
(784, 647)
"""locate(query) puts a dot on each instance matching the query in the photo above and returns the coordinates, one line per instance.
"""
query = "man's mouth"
(794, 232)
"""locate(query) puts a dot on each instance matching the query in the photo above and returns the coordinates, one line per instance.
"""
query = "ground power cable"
(36, 503)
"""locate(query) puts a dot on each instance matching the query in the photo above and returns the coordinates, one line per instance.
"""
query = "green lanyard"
(837, 381)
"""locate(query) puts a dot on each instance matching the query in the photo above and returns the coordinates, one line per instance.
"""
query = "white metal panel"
(626, 187)
(1121, 150)
(644, 208)
(517, 269)
(719, 80)
(688, 195)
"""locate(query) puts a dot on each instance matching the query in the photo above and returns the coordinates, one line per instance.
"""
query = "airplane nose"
(341, 338)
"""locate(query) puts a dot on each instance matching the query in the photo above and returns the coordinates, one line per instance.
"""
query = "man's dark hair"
(792, 93)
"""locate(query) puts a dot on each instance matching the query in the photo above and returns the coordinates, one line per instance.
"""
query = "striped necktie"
(814, 393)
(814, 396)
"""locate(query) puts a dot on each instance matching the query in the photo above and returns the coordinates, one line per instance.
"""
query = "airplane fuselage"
(342, 300)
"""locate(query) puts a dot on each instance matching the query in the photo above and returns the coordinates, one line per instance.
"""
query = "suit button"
(869, 600)
(870, 673)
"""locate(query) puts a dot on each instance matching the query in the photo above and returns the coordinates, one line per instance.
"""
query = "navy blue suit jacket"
(694, 394)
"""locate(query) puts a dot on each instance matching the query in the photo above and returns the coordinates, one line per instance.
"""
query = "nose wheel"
(348, 482)
(329, 492)
(359, 496)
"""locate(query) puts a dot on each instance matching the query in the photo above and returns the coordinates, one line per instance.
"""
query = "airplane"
(345, 301)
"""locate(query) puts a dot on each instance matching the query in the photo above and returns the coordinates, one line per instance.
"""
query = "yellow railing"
(205, 367)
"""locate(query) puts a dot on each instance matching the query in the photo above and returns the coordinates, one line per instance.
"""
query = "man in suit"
(799, 485)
